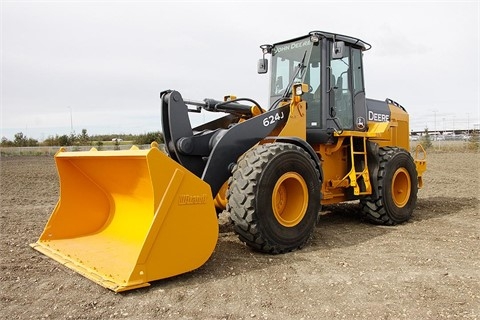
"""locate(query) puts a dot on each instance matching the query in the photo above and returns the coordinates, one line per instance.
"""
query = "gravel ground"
(428, 268)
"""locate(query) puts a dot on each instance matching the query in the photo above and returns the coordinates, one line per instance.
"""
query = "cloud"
(108, 61)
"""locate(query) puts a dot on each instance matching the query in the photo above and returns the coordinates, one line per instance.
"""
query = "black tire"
(397, 189)
(274, 197)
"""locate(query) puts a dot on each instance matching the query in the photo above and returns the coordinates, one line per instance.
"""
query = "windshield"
(286, 58)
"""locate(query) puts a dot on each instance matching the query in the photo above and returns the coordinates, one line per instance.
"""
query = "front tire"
(274, 197)
(396, 196)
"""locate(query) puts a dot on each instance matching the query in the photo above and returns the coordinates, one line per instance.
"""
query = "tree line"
(81, 139)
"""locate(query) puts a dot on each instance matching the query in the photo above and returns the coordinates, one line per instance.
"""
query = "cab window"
(340, 82)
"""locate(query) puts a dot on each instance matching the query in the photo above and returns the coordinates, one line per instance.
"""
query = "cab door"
(347, 108)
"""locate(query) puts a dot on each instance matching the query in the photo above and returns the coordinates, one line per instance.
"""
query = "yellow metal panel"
(128, 217)
(402, 132)
(376, 129)
(296, 125)
(334, 166)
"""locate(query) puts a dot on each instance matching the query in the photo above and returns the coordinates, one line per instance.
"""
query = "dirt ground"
(428, 268)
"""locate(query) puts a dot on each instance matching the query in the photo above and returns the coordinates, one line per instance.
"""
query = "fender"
(305, 146)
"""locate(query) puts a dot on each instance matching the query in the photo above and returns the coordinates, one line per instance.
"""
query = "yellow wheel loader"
(125, 218)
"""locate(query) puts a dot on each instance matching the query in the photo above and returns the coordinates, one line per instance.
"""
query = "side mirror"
(262, 66)
(338, 50)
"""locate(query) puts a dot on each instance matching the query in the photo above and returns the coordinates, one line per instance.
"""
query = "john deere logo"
(187, 199)
(361, 123)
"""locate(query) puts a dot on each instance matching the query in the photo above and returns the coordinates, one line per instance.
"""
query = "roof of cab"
(335, 36)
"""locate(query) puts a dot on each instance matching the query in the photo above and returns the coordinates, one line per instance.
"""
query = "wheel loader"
(125, 218)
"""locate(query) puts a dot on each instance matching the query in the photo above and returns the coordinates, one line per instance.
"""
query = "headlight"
(298, 90)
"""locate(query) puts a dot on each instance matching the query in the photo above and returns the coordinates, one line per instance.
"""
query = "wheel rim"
(290, 199)
(401, 186)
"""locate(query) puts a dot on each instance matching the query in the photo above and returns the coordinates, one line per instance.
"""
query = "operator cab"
(331, 65)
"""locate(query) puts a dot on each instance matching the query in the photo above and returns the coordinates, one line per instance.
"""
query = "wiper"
(287, 92)
(300, 67)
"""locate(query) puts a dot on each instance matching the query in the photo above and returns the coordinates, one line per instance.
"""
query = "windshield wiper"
(288, 90)
(300, 67)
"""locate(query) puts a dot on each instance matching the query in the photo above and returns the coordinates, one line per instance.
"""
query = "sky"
(100, 65)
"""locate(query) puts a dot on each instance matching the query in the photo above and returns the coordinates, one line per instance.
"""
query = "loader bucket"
(125, 218)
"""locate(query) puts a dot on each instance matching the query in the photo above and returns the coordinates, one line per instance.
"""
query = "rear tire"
(274, 197)
(397, 189)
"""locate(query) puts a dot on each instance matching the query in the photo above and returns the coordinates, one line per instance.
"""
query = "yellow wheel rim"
(220, 200)
(401, 186)
(290, 199)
